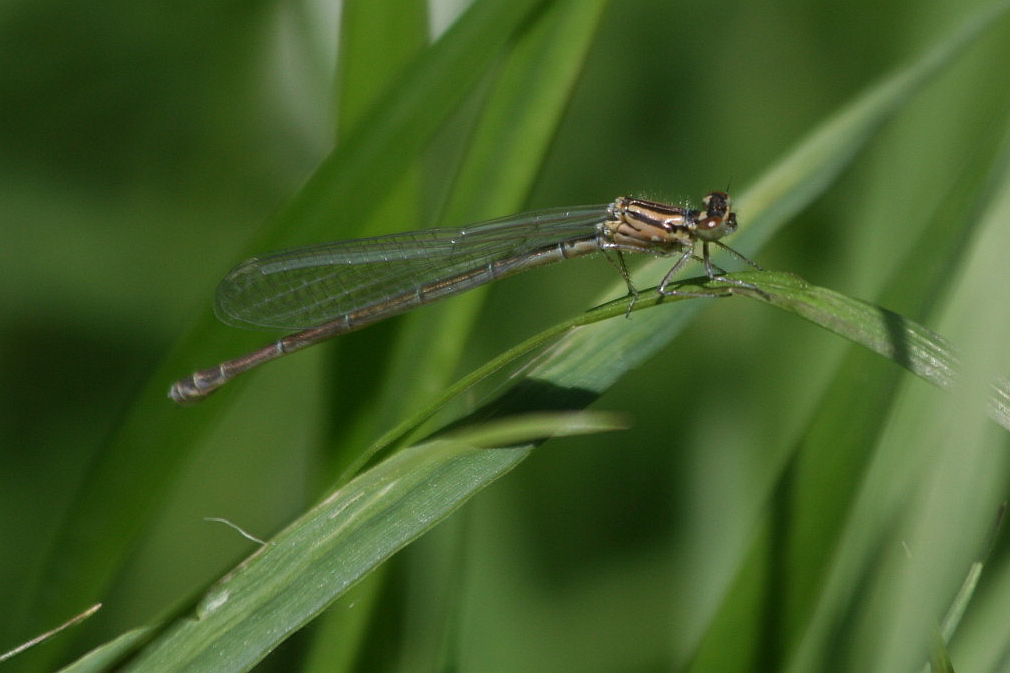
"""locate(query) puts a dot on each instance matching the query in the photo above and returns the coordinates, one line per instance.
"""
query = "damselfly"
(334, 288)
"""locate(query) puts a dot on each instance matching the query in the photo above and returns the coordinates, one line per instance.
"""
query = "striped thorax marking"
(647, 225)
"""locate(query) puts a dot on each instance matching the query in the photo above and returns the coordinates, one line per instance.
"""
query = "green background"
(143, 144)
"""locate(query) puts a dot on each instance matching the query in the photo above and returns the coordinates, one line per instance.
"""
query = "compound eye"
(717, 204)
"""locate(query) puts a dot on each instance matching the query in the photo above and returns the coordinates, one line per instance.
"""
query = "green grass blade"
(106, 656)
(378, 40)
(317, 558)
(895, 337)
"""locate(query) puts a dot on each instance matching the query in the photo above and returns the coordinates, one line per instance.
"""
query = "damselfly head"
(717, 219)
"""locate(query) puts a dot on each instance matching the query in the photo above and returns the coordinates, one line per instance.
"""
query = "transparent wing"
(305, 287)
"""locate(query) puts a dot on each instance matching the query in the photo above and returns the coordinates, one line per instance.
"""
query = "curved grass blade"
(106, 656)
(297, 574)
(912, 346)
